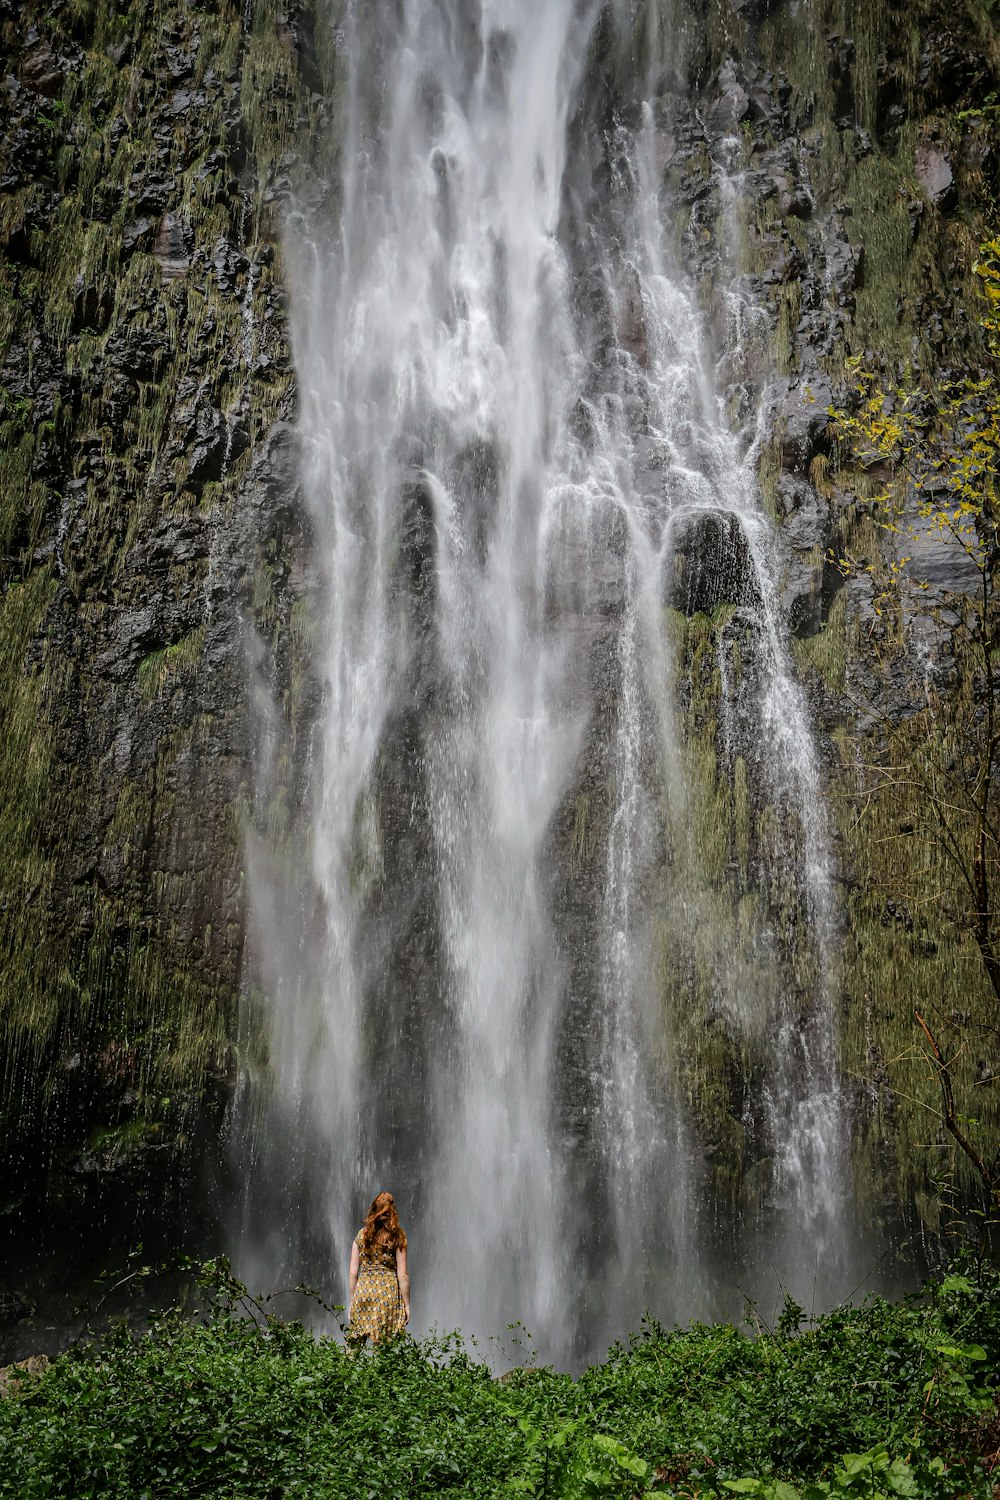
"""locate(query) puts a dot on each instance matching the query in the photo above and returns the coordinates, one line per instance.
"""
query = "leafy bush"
(878, 1402)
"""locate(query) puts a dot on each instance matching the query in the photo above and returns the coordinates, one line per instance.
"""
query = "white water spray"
(513, 440)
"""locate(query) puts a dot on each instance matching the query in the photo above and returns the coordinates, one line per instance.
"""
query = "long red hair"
(382, 1228)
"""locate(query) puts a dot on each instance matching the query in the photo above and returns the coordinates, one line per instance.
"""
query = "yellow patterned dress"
(377, 1305)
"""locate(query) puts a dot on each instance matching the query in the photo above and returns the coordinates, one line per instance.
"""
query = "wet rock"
(804, 519)
(179, 60)
(136, 351)
(801, 600)
(279, 456)
(41, 70)
(937, 559)
(711, 563)
(895, 116)
(632, 331)
(14, 1304)
(763, 106)
(845, 264)
(136, 234)
(934, 173)
(91, 306)
(952, 64)
(754, 10)
(170, 247)
(805, 515)
(14, 1377)
(803, 417)
(209, 450)
(726, 111)
(841, 54)
(798, 202)
(148, 193)
(977, 150)
(120, 394)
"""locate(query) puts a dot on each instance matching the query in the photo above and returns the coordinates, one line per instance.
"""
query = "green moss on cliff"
(733, 949)
(28, 869)
(141, 271)
(161, 668)
(827, 650)
(853, 61)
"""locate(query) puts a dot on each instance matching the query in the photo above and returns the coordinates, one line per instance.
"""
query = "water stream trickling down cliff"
(530, 459)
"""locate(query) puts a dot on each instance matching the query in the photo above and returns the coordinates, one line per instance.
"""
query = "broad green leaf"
(900, 1477)
(608, 1444)
(853, 1463)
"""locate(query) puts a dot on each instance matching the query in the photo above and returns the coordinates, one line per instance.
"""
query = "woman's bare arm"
(403, 1277)
(355, 1267)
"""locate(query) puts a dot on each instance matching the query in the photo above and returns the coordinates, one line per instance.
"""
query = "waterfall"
(495, 979)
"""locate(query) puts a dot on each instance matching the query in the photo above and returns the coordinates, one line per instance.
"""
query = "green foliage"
(870, 1402)
(861, 1476)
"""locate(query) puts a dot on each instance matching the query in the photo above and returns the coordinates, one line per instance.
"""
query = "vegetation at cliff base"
(874, 1401)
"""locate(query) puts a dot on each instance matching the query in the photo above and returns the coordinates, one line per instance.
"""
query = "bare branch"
(950, 1116)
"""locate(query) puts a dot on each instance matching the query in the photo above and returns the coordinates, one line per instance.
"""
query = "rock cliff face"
(146, 536)
(866, 139)
(871, 159)
(155, 566)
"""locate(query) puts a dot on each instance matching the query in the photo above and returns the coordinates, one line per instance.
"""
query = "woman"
(380, 1282)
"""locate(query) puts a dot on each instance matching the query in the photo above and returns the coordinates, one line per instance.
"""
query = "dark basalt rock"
(170, 247)
(41, 70)
(802, 411)
(952, 67)
(754, 10)
(730, 103)
(711, 563)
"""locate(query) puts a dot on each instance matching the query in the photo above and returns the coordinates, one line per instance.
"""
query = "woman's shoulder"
(359, 1238)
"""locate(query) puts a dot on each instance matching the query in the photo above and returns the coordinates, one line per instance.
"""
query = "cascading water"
(523, 489)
